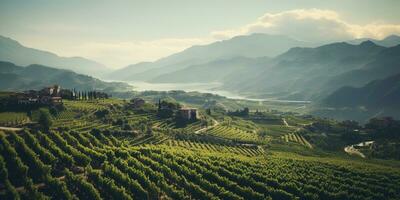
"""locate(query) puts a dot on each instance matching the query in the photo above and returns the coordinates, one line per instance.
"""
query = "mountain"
(375, 94)
(215, 71)
(12, 51)
(378, 98)
(13, 77)
(303, 73)
(251, 46)
(382, 65)
(389, 41)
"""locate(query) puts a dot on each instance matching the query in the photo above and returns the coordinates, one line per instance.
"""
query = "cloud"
(314, 25)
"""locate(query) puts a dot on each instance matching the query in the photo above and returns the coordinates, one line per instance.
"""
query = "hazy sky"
(117, 33)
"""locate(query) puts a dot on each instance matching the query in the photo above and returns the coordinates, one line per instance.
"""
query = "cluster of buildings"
(47, 96)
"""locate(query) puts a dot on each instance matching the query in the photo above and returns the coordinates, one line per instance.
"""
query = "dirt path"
(285, 122)
(9, 128)
(216, 123)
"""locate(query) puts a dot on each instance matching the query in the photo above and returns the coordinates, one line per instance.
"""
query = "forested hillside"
(14, 77)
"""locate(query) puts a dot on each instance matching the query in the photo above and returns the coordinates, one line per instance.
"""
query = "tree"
(45, 119)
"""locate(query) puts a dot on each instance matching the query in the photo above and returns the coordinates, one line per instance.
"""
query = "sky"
(122, 32)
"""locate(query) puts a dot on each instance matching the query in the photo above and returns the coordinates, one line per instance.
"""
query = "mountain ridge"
(255, 45)
(14, 77)
(14, 52)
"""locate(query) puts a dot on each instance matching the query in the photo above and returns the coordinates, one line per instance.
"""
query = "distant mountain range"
(298, 74)
(384, 93)
(255, 66)
(307, 73)
(12, 51)
(251, 46)
(378, 98)
(357, 76)
(177, 67)
(389, 41)
(16, 78)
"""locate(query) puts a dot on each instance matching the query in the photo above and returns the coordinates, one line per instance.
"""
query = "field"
(84, 156)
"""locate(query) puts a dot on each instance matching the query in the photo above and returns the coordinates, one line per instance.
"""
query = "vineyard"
(296, 138)
(67, 165)
(13, 118)
(84, 156)
(210, 147)
(234, 134)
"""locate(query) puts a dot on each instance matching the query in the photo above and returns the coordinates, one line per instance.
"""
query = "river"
(200, 87)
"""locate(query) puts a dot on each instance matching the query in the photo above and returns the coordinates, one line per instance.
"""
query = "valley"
(200, 100)
(114, 148)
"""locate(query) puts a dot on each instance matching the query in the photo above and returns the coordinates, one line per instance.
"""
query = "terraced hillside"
(134, 154)
(296, 138)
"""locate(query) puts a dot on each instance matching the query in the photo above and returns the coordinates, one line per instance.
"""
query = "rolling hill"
(377, 98)
(13, 51)
(17, 78)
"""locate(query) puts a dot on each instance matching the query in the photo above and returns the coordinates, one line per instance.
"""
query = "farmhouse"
(53, 91)
(46, 96)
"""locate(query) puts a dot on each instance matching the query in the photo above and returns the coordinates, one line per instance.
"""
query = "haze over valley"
(200, 100)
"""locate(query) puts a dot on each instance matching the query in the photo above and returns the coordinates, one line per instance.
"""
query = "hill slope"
(384, 92)
(12, 51)
(215, 71)
(14, 77)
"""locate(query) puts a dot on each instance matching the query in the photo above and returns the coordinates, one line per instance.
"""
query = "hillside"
(12, 51)
(377, 98)
(102, 150)
(19, 78)
(255, 45)
(215, 71)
